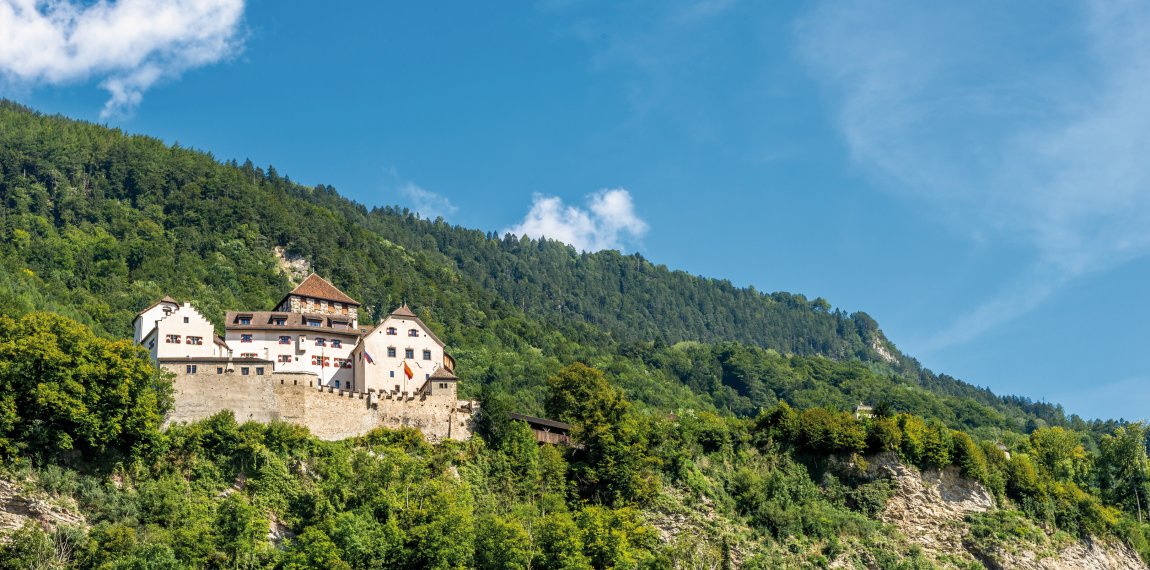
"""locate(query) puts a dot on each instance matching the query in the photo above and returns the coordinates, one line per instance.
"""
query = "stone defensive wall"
(330, 414)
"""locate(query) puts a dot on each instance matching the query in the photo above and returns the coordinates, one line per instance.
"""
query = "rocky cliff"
(934, 509)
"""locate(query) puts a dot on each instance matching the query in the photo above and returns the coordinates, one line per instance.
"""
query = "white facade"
(316, 350)
(401, 338)
(174, 331)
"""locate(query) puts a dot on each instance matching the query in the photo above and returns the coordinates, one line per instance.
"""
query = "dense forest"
(692, 399)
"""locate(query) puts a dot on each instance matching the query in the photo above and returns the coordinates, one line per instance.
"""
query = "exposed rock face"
(16, 508)
(1090, 555)
(930, 509)
(295, 267)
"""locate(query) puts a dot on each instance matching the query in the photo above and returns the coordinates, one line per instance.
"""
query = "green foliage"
(610, 464)
(313, 549)
(67, 393)
(503, 544)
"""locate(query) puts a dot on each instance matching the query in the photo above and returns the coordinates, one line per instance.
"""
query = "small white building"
(400, 356)
(180, 339)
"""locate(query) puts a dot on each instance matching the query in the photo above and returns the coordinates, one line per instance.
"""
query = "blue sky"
(971, 175)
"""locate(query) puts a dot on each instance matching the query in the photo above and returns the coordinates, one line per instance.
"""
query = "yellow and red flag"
(407, 370)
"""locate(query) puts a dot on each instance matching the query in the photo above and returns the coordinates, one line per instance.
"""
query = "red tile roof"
(317, 287)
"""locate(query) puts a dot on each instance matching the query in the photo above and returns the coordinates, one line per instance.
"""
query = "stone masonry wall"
(329, 414)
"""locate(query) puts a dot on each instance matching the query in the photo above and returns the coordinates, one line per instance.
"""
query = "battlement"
(329, 413)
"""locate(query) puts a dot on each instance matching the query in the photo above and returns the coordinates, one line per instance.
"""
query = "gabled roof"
(166, 299)
(317, 287)
(442, 373)
(403, 311)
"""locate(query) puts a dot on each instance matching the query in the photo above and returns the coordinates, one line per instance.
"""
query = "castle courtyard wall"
(328, 413)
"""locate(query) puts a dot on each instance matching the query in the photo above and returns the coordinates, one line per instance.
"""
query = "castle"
(309, 362)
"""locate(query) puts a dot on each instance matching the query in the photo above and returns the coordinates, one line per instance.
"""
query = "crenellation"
(328, 415)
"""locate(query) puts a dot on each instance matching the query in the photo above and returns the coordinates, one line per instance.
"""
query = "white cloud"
(130, 44)
(608, 221)
(429, 204)
(1021, 129)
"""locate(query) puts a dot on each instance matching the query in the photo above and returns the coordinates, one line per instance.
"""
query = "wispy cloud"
(608, 222)
(429, 204)
(130, 45)
(1022, 129)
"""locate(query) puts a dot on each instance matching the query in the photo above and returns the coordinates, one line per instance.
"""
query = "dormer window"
(245, 320)
(314, 322)
(413, 332)
(279, 321)
(391, 331)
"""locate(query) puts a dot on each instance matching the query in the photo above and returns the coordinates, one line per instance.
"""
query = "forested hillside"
(713, 421)
(97, 224)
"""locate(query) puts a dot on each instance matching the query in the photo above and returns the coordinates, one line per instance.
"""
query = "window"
(244, 320)
(314, 322)
(413, 332)
(172, 339)
(247, 355)
(397, 387)
(336, 343)
(219, 370)
(191, 369)
(409, 353)
(320, 361)
(427, 377)
(197, 340)
(337, 384)
(245, 338)
(391, 331)
(280, 321)
(285, 340)
(391, 352)
(185, 320)
(151, 344)
(427, 355)
(443, 385)
(320, 341)
(347, 363)
(285, 358)
(244, 370)
(393, 376)
(259, 371)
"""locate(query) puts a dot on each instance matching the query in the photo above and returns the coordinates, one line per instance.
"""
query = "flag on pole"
(407, 370)
(368, 358)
